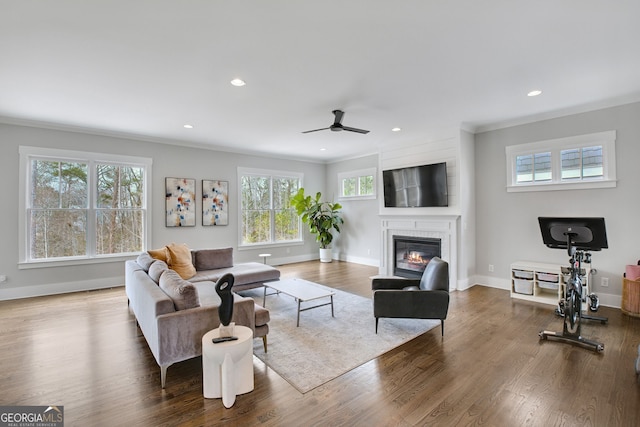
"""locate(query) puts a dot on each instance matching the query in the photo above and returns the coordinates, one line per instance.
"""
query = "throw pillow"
(145, 260)
(180, 260)
(156, 269)
(183, 294)
(162, 254)
(211, 259)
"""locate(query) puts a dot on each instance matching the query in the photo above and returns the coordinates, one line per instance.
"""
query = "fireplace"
(412, 254)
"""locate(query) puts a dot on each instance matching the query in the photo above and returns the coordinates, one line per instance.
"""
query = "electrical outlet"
(604, 282)
(3, 278)
(491, 268)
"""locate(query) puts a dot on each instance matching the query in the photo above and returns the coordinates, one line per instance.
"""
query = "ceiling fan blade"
(338, 114)
(354, 129)
(315, 130)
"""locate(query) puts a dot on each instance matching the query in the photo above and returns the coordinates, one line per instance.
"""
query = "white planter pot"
(325, 255)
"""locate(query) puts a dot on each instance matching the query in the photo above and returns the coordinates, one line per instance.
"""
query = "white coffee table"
(302, 290)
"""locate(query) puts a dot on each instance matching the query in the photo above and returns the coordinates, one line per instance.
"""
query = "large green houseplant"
(322, 218)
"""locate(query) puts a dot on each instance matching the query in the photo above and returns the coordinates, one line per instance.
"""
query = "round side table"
(264, 257)
(227, 367)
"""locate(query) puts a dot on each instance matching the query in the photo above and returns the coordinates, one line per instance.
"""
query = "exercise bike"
(578, 236)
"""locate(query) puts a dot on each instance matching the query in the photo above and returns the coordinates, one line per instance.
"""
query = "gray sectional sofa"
(173, 313)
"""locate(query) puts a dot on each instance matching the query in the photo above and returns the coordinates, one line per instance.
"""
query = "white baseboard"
(359, 260)
(606, 300)
(60, 288)
(492, 282)
(292, 259)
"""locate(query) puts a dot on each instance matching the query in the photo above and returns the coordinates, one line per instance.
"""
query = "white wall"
(507, 227)
(168, 161)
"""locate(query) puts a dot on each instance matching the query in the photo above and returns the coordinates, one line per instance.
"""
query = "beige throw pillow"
(180, 260)
(162, 254)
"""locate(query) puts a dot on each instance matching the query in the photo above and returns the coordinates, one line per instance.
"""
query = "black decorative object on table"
(223, 288)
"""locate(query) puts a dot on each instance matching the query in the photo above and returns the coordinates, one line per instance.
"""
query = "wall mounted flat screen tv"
(418, 186)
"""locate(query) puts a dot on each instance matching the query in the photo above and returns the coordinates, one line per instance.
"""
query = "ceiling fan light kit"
(337, 125)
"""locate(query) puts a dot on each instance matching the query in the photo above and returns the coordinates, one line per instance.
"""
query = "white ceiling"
(146, 68)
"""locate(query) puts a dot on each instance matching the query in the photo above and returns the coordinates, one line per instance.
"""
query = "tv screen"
(418, 186)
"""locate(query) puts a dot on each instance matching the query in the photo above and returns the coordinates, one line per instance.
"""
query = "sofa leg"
(264, 343)
(376, 325)
(163, 375)
(442, 326)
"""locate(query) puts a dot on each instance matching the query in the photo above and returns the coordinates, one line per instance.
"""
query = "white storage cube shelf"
(539, 282)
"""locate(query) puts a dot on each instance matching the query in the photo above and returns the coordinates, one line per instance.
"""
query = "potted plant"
(322, 217)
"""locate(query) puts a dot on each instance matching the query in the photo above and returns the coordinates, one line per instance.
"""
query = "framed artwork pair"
(180, 200)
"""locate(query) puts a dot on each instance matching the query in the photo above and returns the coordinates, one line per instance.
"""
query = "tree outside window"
(80, 209)
(357, 184)
(58, 214)
(267, 216)
(582, 161)
(119, 212)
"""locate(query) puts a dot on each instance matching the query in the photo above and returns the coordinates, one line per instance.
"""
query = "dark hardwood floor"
(83, 351)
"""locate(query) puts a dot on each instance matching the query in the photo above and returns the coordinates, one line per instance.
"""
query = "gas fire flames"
(414, 257)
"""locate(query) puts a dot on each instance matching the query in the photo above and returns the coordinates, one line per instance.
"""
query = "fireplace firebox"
(412, 254)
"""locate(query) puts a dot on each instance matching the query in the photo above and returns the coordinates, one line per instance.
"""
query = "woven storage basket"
(631, 297)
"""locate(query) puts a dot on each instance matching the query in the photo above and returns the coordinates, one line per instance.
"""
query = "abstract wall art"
(180, 197)
(215, 202)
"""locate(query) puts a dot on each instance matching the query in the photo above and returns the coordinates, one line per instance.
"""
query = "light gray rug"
(323, 347)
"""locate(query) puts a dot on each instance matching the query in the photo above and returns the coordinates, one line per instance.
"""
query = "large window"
(360, 184)
(79, 206)
(585, 161)
(266, 214)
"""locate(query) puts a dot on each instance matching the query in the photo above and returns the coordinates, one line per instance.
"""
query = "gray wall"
(359, 240)
(168, 161)
(507, 228)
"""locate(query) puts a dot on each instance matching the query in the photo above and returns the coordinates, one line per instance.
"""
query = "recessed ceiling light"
(396, 130)
(534, 93)
(238, 82)
(323, 149)
(188, 126)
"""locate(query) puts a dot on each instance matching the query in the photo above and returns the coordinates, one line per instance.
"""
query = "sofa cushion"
(184, 294)
(180, 260)
(156, 269)
(211, 259)
(262, 315)
(162, 254)
(145, 260)
(252, 272)
(207, 293)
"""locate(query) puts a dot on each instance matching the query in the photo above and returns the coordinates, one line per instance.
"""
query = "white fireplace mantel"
(440, 227)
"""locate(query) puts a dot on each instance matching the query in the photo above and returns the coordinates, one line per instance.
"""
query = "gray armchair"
(424, 298)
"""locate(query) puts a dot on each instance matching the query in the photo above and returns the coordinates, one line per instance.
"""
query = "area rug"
(324, 347)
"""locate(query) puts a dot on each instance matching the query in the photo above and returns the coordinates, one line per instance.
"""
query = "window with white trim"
(266, 214)
(585, 161)
(78, 206)
(360, 184)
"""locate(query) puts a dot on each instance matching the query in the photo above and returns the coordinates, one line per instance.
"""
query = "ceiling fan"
(337, 125)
